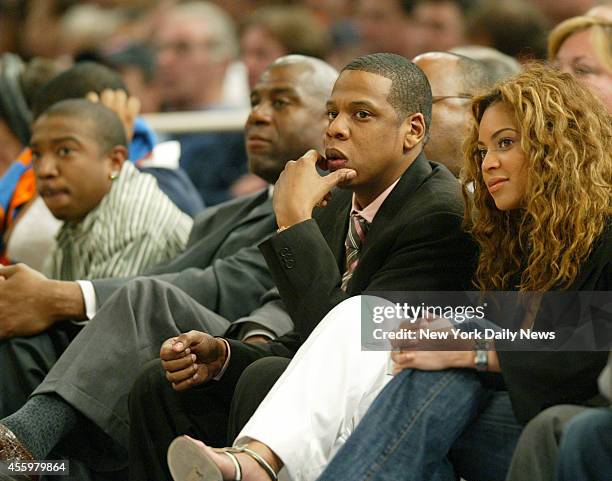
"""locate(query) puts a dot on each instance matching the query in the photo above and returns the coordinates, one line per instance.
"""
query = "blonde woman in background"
(582, 46)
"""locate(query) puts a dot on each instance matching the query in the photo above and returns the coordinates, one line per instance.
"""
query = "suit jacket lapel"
(263, 208)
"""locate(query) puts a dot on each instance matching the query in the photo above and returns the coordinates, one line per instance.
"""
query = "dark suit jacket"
(537, 380)
(414, 243)
(221, 262)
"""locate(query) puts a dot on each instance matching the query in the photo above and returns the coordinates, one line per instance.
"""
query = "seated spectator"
(441, 23)
(26, 225)
(582, 46)
(274, 31)
(498, 64)
(514, 27)
(454, 80)
(116, 220)
(567, 442)
(136, 64)
(196, 44)
(86, 77)
(269, 33)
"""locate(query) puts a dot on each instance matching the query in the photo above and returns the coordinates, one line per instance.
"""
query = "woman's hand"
(431, 360)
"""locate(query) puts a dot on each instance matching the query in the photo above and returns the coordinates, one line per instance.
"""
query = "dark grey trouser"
(536, 453)
(98, 369)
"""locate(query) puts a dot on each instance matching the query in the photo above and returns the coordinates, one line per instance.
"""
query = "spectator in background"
(196, 43)
(454, 80)
(441, 23)
(498, 64)
(272, 32)
(513, 27)
(582, 46)
(388, 26)
(19, 83)
(136, 65)
(556, 11)
(116, 220)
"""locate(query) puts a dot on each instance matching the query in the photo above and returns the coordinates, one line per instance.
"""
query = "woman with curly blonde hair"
(563, 138)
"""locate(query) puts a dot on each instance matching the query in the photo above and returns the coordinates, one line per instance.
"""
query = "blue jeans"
(409, 429)
(484, 451)
(585, 453)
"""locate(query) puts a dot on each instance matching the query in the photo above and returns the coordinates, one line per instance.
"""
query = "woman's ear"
(415, 130)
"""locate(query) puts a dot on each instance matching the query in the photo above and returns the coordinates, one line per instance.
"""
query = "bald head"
(454, 79)
(288, 113)
(318, 76)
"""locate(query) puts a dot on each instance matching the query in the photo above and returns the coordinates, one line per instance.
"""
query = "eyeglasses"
(438, 98)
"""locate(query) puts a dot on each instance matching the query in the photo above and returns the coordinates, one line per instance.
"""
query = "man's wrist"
(285, 222)
(222, 360)
(66, 302)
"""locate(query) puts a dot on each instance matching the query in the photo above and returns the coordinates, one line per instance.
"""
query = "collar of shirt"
(369, 212)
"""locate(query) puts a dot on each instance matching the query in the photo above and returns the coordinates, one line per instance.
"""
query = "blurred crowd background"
(185, 56)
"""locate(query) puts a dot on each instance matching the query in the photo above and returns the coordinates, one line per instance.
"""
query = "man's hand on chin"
(300, 188)
(30, 303)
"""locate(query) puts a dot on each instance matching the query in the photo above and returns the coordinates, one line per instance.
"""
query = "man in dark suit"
(221, 268)
(411, 212)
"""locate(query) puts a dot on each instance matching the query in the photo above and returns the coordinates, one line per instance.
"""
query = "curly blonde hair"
(566, 135)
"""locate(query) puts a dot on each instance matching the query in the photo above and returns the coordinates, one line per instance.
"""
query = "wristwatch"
(481, 356)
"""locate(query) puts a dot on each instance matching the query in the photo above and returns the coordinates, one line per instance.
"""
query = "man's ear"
(415, 130)
(117, 155)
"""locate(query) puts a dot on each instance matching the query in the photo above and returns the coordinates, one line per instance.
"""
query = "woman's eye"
(582, 70)
(63, 151)
(481, 153)
(505, 143)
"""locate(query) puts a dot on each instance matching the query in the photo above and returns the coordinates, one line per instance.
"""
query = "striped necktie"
(358, 228)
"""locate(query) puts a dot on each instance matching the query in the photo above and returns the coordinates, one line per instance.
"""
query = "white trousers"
(320, 398)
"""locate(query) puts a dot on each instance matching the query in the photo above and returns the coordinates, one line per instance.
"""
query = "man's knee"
(259, 377)
(587, 429)
(253, 386)
(148, 385)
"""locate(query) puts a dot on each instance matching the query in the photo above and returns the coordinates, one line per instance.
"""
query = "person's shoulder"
(439, 193)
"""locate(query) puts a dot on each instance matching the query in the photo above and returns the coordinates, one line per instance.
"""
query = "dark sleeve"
(537, 380)
(242, 355)
(306, 273)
